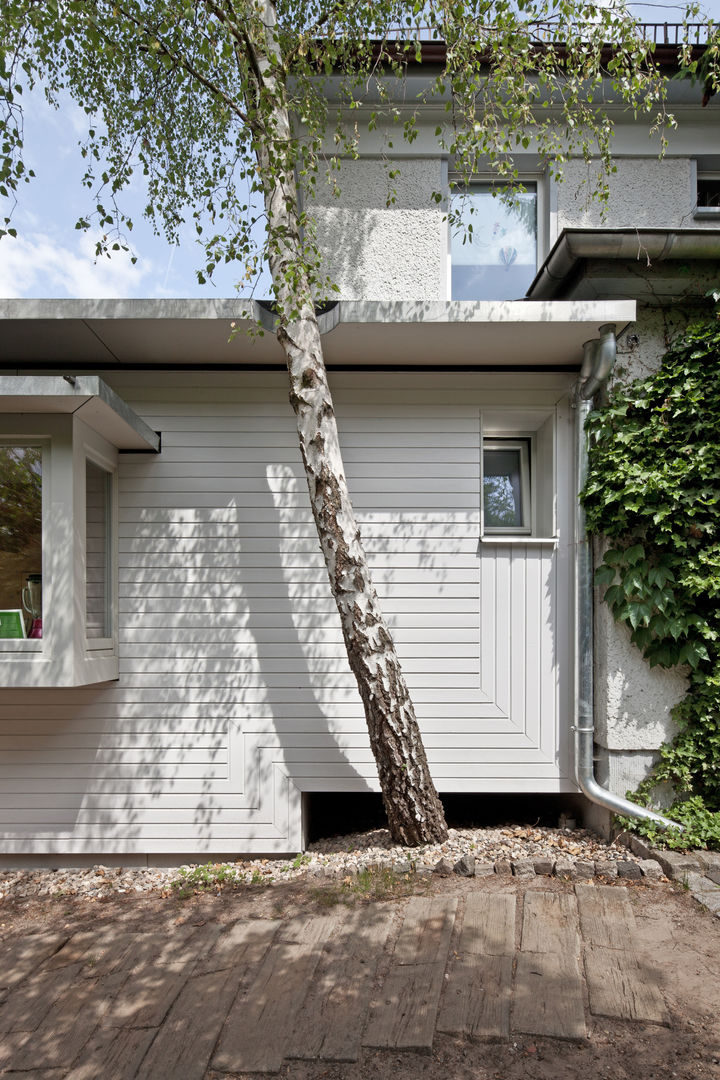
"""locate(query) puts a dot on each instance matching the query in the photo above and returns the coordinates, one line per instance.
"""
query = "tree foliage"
(20, 498)
(653, 490)
(171, 92)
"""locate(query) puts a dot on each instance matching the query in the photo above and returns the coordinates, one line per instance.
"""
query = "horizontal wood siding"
(234, 694)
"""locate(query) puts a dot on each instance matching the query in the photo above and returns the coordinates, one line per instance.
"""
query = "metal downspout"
(598, 361)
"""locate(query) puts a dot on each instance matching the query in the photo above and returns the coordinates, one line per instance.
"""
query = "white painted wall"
(234, 694)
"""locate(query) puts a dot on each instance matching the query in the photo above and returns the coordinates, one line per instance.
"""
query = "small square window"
(494, 243)
(506, 486)
(708, 196)
(708, 191)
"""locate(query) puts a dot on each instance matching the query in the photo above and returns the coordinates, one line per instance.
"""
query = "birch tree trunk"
(414, 811)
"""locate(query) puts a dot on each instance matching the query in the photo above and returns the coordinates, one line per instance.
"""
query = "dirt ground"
(682, 938)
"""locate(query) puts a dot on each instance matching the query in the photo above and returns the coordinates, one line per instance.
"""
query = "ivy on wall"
(653, 491)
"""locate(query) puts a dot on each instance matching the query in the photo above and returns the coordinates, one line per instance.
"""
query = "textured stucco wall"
(376, 251)
(632, 700)
(643, 192)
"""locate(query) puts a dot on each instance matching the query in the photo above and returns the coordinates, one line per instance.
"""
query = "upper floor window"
(708, 194)
(494, 245)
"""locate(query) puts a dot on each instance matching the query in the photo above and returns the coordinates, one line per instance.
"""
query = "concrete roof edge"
(573, 245)
(80, 390)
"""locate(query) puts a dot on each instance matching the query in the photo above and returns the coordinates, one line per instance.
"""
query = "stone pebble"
(522, 851)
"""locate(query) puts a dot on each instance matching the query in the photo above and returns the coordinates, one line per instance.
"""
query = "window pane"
(98, 488)
(502, 489)
(708, 191)
(498, 260)
(20, 541)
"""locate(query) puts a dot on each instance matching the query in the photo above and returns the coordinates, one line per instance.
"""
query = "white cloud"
(34, 265)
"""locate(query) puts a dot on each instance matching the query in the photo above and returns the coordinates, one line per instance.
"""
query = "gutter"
(598, 360)
(573, 246)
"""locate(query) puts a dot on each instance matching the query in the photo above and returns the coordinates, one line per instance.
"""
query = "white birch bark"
(414, 811)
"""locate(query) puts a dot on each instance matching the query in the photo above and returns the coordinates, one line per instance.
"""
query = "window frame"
(63, 656)
(457, 187)
(708, 212)
(106, 459)
(524, 443)
(9, 438)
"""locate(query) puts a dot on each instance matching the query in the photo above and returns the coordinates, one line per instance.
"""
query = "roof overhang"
(88, 398)
(81, 334)
(642, 264)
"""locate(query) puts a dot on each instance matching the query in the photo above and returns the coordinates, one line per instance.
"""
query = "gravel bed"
(523, 851)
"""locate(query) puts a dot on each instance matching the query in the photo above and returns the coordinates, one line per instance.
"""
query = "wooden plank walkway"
(404, 1014)
(252, 995)
(619, 982)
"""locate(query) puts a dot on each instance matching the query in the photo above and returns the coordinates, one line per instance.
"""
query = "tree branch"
(184, 62)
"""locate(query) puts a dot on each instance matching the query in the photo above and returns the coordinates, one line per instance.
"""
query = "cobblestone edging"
(699, 871)
(519, 851)
(567, 869)
(512, 851)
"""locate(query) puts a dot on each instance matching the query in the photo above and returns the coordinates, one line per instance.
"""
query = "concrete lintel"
(88, 398)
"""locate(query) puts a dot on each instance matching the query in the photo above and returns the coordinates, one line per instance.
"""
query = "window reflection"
(494, 245)
(98, 488)
(506, 485)
(20, 541)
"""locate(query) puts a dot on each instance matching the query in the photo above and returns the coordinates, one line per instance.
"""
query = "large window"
(20, 540)
(59, 445)
(493, 247)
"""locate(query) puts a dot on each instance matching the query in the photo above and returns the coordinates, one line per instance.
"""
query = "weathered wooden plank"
(112, 1052)
(548, 996)
(406, 1012)
(147, 995)
(69, 1023)
(606, 916)
(241, 945)
(621, 985)
(476, 1000)
(489, 925)
(550, 923)
(78, 947)
(29, 1003)
(19, 958)
(330, 1022)
(186, 1039)
(261, 1021)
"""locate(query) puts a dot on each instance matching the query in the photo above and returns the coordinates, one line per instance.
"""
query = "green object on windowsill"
(12, 623)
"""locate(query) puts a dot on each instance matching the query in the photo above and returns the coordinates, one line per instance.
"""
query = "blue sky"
(50, 258)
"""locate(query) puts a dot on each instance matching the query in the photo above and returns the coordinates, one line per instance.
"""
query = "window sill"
(527, 540)
(20, 645)
(706, 213)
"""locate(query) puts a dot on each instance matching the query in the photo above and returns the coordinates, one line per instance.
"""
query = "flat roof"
(105, 333)
(86, 397)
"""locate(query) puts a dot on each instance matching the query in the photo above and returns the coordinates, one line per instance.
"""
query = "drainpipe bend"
(598, 360)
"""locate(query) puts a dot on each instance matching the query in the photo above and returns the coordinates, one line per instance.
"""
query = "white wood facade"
(234, 695)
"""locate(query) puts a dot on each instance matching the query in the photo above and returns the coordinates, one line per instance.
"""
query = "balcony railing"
(660, 33)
